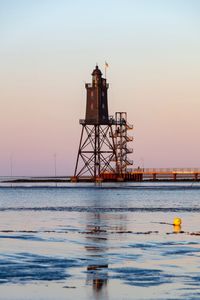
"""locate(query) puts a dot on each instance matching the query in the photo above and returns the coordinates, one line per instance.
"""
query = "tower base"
(96, 154)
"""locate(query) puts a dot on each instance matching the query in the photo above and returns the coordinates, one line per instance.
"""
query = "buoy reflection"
(177, 228)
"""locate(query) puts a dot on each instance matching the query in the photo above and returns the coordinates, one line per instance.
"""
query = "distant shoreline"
(87, 180)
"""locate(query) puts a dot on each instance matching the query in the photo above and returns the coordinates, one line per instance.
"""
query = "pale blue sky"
(49, 48)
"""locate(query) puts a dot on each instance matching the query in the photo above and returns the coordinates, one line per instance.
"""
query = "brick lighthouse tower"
(96, 153)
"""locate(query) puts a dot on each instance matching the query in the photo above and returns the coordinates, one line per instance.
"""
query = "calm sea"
(109, 241)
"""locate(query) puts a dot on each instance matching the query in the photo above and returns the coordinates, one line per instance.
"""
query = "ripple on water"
(141, 277)
(160, 245)
(25, 267)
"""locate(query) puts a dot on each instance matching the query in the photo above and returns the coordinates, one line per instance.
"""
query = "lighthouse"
(96, 153)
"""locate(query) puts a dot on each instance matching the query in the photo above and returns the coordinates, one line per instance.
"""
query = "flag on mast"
(106, 66)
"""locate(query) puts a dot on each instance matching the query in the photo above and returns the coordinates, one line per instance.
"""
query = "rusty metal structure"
(96, 152)
(103, 143)
(122, 138)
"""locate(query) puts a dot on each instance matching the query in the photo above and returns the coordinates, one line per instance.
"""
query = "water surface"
(110, 241)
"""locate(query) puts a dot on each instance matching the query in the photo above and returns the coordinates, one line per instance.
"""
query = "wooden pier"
(147, 174)
(174, 174)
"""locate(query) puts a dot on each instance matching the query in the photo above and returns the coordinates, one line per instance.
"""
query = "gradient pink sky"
(48, 50)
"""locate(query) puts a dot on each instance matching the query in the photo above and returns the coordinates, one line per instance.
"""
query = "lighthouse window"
(103, 106)
(102, 94)
(92, 106)
(92, 93)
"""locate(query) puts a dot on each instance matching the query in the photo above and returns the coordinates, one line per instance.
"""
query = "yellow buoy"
(177, 221)
(177, 228)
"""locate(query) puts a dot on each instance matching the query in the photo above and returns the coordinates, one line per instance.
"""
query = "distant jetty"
(36, 180)
(137, 175)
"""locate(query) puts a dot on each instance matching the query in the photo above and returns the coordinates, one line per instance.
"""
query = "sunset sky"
(48, 49)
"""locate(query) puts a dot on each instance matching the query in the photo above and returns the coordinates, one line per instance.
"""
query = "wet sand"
(99, 243)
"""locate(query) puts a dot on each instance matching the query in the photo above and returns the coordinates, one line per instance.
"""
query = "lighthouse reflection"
(99, 228)
(97, 269)
(96, 276)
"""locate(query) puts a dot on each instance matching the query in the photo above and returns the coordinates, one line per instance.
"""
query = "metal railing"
(129, 162)
(168, 170)
(129, 138)
(128, 150)
(82, 121)
(129, 126)
(89, 85)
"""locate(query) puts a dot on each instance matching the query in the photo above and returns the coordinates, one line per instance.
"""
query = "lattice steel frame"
(96, 151)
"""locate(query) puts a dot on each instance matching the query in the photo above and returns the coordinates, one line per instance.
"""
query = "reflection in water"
(97, 232)
(68, 244)
(97, 269)
(177, 228)
(98, 275)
